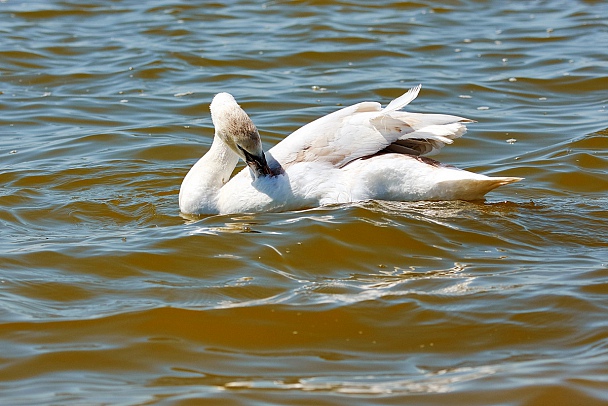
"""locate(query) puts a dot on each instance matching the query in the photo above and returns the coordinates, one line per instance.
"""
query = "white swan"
(357, 153)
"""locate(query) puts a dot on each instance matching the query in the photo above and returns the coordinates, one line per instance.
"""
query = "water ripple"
(108, 294)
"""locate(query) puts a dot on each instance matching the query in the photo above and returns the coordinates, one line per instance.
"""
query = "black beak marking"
(257, 163)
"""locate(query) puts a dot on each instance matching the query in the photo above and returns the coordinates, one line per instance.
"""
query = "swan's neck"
(199, 191)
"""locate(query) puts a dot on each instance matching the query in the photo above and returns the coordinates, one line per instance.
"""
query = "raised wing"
(366, 129)
(420, 134)
(336, 138)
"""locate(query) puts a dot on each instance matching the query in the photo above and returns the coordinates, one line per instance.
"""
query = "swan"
(357, 153)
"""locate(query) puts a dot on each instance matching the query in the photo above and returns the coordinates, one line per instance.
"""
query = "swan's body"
(360, 152)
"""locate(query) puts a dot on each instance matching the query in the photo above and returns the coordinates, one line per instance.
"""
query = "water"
(109, 296)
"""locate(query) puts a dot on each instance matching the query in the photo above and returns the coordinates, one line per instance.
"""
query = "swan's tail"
(472, 189)
(494, 182)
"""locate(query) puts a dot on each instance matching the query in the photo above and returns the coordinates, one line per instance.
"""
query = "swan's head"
(235, 128)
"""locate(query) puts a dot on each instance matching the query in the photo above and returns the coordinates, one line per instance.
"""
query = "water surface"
(109, 296)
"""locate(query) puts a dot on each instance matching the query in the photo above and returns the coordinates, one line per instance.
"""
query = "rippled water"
(109, 296)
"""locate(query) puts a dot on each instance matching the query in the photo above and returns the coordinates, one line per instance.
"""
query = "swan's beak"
(258, 164)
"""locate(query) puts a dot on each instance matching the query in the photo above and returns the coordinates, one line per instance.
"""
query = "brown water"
(109, 296)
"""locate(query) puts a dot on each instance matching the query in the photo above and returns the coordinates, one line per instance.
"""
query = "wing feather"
(365, 129)
(403, 100)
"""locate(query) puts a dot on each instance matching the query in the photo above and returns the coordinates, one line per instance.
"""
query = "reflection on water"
(109, 295)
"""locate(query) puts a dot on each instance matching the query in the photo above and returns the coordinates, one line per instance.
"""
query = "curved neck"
(200, 188)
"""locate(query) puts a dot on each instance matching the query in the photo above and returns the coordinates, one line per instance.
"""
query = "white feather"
(402, 101)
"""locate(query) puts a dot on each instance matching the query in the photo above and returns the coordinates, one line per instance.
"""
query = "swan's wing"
(403, 100)
(336, 138)
(420, 134)
(365, 129)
